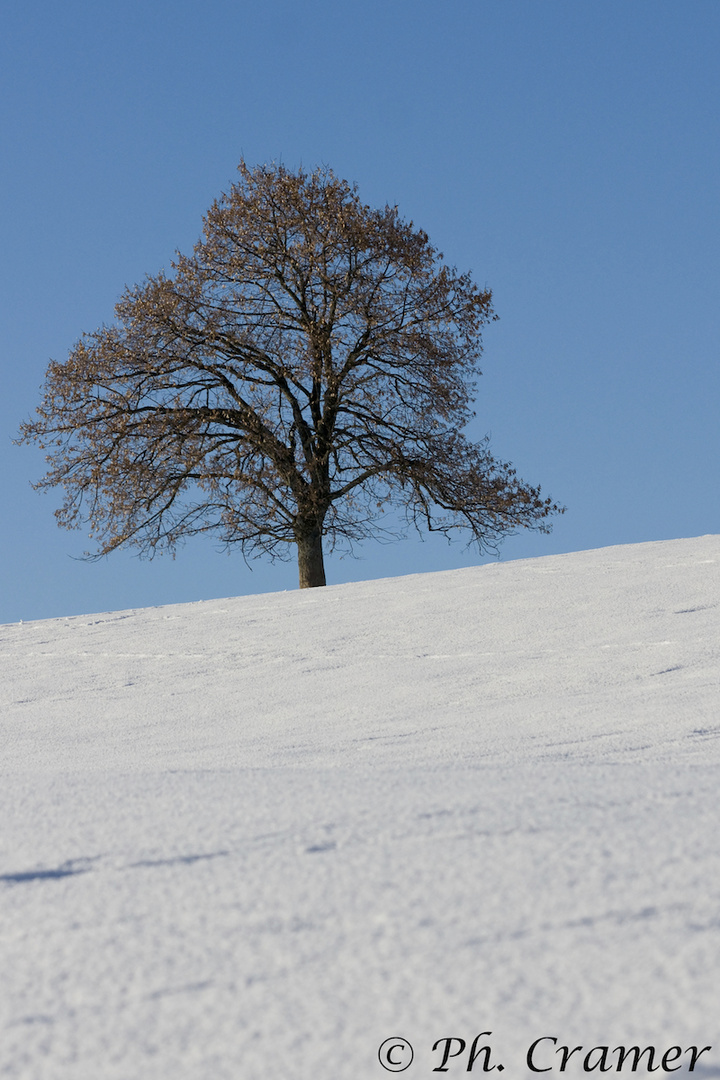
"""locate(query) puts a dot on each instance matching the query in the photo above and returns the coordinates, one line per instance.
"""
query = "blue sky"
(567, 153)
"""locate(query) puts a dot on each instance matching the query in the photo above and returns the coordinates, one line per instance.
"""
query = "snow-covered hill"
(258, 837)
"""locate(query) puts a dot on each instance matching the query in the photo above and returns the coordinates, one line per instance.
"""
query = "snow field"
(256, 837)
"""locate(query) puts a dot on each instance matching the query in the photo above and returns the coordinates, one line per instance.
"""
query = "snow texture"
(256, 837)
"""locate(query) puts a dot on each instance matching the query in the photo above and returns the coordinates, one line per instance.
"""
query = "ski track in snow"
(256, 837)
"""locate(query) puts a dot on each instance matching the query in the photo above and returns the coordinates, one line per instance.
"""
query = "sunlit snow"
(257, 837)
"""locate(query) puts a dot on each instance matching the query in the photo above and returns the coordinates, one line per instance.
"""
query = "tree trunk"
(310, 558)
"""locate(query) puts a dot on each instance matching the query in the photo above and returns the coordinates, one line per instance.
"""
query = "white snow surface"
(256, 837)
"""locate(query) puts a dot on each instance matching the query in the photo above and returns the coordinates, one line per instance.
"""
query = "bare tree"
(310, 364)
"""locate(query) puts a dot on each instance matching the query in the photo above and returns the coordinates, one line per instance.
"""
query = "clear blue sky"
(567, 152)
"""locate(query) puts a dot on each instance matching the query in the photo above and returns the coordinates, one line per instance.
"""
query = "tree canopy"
(311, 364)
